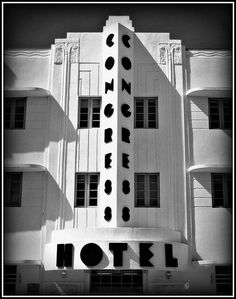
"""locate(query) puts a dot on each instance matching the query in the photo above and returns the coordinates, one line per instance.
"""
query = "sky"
(199, 26)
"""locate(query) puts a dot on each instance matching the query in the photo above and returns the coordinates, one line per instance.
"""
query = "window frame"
(221, 113)
(147, 198)
(145, 101)
(90, 100)
(223, 277)
(10, 278)
(227, 201)
(8, 189)
(86, 189)
(12, 101)
(110, 286)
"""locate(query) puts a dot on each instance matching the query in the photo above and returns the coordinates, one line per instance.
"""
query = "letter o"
(91, 254)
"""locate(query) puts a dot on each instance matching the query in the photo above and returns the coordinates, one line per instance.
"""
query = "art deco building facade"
(117, 166)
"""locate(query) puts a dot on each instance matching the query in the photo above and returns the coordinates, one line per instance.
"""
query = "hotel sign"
(113, 255)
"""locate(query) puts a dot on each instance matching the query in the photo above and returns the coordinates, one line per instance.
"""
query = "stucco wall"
(26, 68)
(23, 224)
(209, 69)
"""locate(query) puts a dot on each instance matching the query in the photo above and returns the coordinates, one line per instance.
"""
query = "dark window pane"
(80, 190)
(12, 184)
(14, 113)
(10, 279)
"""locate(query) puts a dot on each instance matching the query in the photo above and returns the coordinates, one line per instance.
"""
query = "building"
(118, 166)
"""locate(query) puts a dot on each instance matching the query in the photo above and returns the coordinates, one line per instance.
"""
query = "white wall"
(23, 224)
(213, 226)
(28, 145)
(26, 68)
(209, 69)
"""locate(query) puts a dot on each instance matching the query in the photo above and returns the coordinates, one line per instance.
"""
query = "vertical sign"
(117, 170)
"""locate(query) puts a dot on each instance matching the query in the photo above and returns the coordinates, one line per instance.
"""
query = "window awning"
(211, 92)
(26, 92)
(210, 168)
(24, 167)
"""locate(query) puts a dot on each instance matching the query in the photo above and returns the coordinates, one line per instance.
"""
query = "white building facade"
(118, 169)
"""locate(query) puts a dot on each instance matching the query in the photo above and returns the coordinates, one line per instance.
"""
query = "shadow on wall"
(18, 148)
(150, 80)
(23, 221)
(31, 140)
(9, 76)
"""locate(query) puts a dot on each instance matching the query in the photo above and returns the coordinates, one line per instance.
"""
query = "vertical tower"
(117, 170)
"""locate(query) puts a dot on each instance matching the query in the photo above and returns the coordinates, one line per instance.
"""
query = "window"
(89, 116)
(147, 190)
(10, 279)
(14, 113)
(223, 280)
(86, 189)
(12, 189)
(221, 190)
(116, 282)
(220, 113)
(146, 113)
(33, 289)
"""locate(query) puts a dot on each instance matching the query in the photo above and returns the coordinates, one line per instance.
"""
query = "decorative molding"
(162, 53)
(209, 53)
(71, 50)
(171, 50)
(28, 53)
(74, 58)
(177, 52)
(59, 54)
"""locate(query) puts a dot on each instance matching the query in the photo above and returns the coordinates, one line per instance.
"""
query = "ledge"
(24, 168)
(26, 92)
(116, 234)
(210, 168)
(214, 92)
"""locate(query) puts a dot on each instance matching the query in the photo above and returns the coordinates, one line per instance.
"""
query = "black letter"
(126, 63)
(109, 63)
(91, 254)
(170, 261)
(125, 214)
(109, 86)
(125, 135)
(108, 134)
(108, 214)
(145, 254)
(125, 110)
(126, 187)
(125, 160)
(125, 40)
(126, 86)
(109, 41)
(108, 111)
(118, 249)
(108, 187)
(108, 160)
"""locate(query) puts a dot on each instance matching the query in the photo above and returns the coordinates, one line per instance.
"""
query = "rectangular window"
(14, 113)
(146, 113)
(10, 279)
(223, 280)
(220, 113)
(33, 289)
(12, 189)
(147, 190)
(86, 189)
(221, 190)
(89, 112)
(116, 282)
